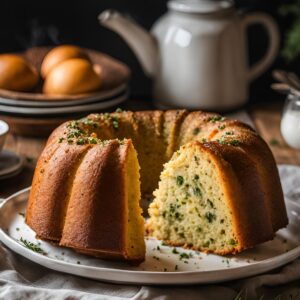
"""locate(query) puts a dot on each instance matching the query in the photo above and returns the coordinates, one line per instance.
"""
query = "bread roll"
(16, 74)
(60, 54)
(73, 76)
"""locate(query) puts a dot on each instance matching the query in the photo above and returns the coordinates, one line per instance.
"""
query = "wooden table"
(266, 118)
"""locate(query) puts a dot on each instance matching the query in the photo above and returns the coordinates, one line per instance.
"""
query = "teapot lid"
(200, 6)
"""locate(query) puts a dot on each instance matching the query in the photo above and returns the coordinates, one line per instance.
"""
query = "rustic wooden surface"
(267, 121)
(265, 117)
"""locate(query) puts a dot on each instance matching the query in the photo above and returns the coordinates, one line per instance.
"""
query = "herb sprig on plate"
(31, 246)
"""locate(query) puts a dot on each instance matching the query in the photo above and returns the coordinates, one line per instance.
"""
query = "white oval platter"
(162, 266)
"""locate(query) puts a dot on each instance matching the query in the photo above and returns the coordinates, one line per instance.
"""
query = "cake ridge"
(66, 166)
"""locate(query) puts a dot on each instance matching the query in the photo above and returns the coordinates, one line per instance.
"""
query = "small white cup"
(4, 128)
(290, 122)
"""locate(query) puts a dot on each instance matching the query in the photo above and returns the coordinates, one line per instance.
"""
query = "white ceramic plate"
(162, 266)
(97, 97)
(40, 111)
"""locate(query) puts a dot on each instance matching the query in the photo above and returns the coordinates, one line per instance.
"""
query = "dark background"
(35, 23)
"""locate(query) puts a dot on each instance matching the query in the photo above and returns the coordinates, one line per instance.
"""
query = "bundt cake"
(85, 192)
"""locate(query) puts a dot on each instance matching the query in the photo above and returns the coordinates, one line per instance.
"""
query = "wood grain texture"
(267, 120)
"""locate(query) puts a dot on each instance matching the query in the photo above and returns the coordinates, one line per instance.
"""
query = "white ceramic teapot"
(197, 52)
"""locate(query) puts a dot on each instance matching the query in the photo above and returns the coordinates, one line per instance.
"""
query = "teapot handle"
(267, 21)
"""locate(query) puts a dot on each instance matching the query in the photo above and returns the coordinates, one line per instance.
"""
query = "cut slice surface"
(189, 207)
(135, 243)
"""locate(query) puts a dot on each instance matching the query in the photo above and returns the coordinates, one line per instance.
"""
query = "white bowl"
(4, 128)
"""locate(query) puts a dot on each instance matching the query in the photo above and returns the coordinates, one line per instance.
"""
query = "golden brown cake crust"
(73, 148)
(99, 170)
(250, 212)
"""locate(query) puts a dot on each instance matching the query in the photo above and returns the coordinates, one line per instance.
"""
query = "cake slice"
(93, 206)
(207, 203)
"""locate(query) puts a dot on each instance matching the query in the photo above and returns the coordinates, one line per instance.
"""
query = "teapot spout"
(142, 43)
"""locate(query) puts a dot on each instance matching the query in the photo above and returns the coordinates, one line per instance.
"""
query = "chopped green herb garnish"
(80, 142)
(197, 192)
(31, 246)
(206, 244)
(119, 110)
(210, 217)
(232, 242)
(196, 177)
(184, 255)
(221, 127)
(210, 203)
(196, 131)
(229, 133)
(174, 250)
(179, 180)
(92, 141)
(22, 214)
(274, 142)
(115, 122)
(18, 229)
(216, 118)
(73, 124)
(204, 140)
(61, 139)
(234, 142)
(172, 208)
(89, 122)
(106, 115)
(179, 216)
(222, 141)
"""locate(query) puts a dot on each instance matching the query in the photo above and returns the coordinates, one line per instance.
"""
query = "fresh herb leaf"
(216, 119)
(210, 217)
(184, 255)
(32, 246)
(179, 180)
(174, 250)
(274, 142)
(196, 131)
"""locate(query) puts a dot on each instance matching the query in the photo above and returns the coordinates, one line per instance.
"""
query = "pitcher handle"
(271, 27)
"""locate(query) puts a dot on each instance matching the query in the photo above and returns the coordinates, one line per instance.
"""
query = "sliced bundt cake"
(220, 192)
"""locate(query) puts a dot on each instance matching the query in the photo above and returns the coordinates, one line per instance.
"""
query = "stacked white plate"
(64, 107)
